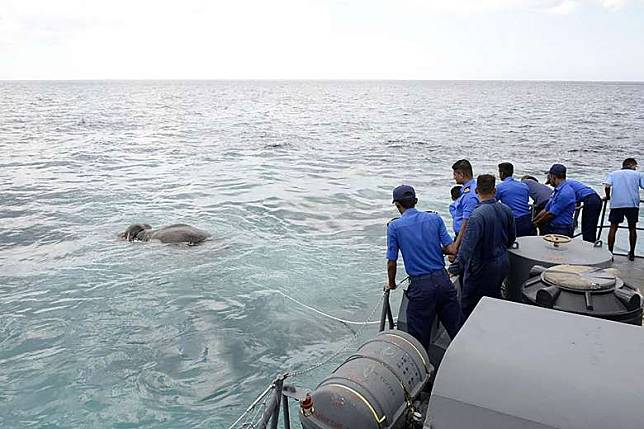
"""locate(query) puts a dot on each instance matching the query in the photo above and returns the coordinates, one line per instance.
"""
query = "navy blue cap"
(404, 192)
(558, 170)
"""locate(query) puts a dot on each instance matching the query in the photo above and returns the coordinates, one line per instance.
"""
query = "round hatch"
(581, 278)
(548, 251)
(591, 291)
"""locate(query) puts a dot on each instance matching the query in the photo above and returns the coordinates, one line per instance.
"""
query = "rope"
(342, 348)
(351, 340)
(323, 362)
(329, 316)
(251, 406)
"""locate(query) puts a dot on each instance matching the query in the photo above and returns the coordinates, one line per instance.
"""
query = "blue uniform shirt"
(581, 190)
(625, 184)
(562, 205)
(515, 195)
(452, 212)
(465, 204)
(420, 237)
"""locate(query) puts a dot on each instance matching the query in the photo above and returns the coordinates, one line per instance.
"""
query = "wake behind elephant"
(177, 233)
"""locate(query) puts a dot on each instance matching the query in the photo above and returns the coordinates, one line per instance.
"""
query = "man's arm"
(391, 274)
(469, 205)
(465, 251)
(447, 244)
(607, 191)
(461, 233)
(543, 217)
(392, 256)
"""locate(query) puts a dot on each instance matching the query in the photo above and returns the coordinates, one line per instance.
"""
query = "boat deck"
(632, 272)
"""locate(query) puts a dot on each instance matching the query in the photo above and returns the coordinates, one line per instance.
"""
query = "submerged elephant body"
(178, 233)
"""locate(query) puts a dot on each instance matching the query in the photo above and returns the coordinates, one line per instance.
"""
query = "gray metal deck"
(632, 272)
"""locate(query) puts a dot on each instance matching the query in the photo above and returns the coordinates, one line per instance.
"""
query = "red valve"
(307, 405)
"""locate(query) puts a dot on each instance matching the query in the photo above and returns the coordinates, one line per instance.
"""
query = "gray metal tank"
(521, 366)
(374, 388)
(548, 251)
(584, 290)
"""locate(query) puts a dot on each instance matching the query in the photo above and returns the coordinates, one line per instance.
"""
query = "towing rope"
(323, 362)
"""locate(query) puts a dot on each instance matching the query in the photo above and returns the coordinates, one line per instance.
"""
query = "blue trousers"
(524, 226)
(430, 295)
(483, 279)
(568, 230)
(590, 216)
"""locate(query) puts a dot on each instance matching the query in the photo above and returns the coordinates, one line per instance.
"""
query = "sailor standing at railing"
(422, 239)
(468, 201)
(623, 190)
(591, 209)
(557, 216)
(515, 195)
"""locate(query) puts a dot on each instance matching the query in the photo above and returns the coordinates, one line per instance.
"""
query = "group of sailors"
(487, 219)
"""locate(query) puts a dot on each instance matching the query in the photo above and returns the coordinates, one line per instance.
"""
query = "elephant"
(177, 233)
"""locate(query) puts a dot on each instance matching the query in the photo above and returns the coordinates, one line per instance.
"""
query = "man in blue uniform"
(422, 238)
(557, 216)
(592, 207)
(483, 256)
(468, 201)
(515, 195)
(622, 188)
(455, 193)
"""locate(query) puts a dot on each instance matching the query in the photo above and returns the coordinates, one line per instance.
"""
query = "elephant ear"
(143, 235)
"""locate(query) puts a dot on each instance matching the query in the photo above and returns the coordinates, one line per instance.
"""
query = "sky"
(323, 39)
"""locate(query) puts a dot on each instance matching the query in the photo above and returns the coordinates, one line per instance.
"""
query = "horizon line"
(317, 80)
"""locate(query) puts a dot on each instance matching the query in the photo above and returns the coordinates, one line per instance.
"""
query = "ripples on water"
(292, 178)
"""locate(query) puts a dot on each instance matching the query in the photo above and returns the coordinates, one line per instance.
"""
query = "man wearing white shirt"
(622, 189)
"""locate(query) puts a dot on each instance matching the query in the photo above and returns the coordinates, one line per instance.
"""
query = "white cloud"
(273, 39)
(613, 4)
(565, 7)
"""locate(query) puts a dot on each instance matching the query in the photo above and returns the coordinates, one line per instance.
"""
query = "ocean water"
(293, 179)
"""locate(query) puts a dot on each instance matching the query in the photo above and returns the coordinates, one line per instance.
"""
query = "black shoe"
(631, 256)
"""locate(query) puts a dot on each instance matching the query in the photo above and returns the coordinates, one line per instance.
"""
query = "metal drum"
(547, 251)
(374, 388)
(585, 290)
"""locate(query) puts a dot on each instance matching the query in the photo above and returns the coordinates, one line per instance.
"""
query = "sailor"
(557, 216)
(591, 209)
(515, 195)
(622, 189)
(422, 238)
(468, 201)
(483, 256)
(455, 192)
(539, 193)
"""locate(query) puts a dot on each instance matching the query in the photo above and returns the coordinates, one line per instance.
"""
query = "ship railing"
(601, 224)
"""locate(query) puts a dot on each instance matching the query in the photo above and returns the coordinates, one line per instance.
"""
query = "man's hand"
(389, 286)
(454, 269)
(451, 258)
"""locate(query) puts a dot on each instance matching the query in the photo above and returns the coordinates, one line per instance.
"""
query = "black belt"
(426, 276)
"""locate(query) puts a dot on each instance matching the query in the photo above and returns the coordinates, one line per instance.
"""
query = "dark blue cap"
(404, 192)
(558, 170)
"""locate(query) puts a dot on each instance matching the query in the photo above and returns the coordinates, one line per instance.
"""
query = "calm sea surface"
(293, 179)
